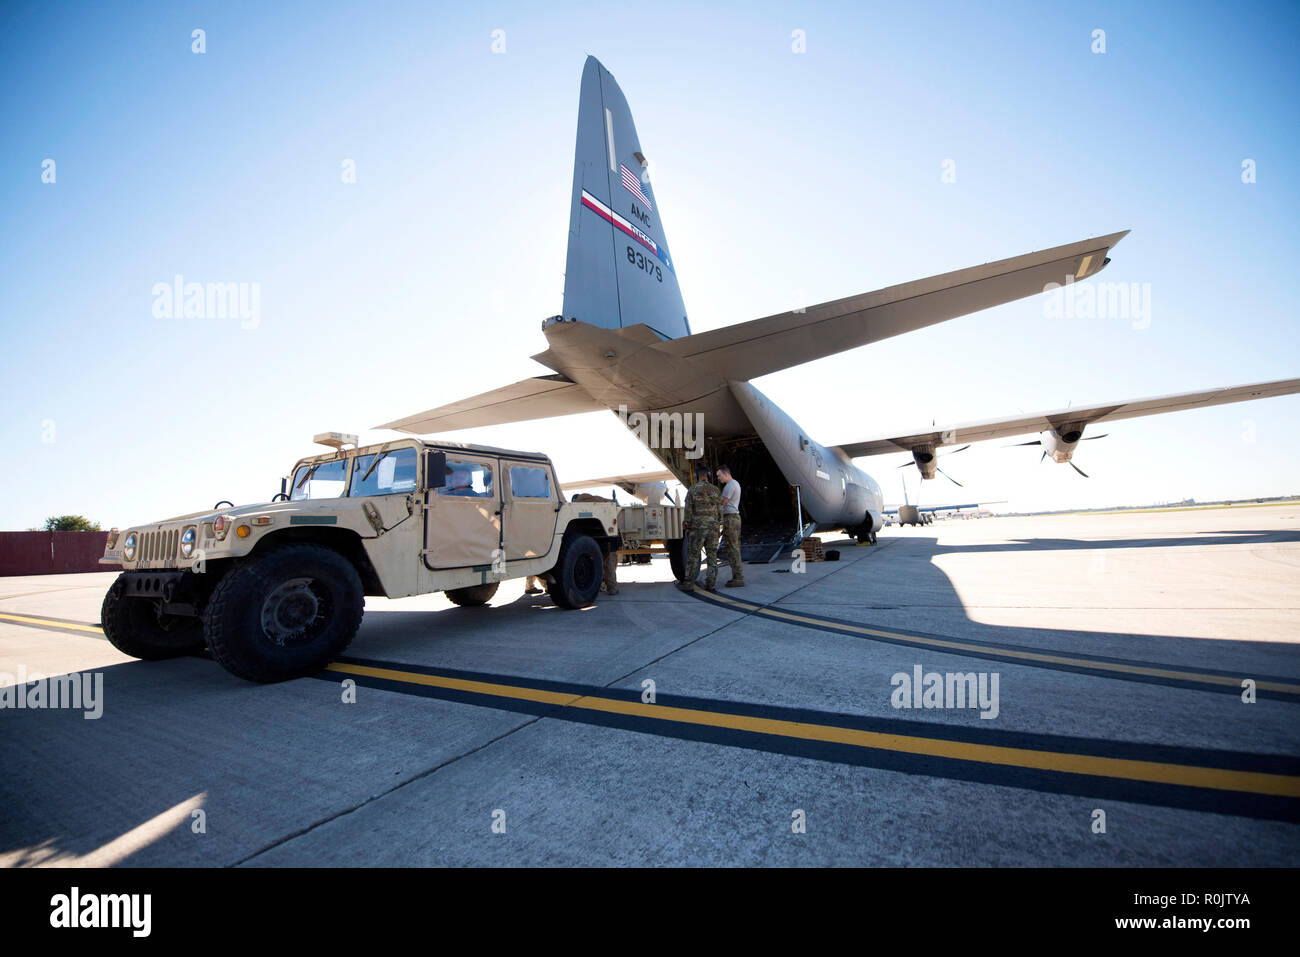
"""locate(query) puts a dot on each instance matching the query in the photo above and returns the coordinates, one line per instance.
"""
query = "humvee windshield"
(393, 472)
(322, 480)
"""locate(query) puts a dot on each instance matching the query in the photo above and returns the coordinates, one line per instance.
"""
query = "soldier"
(701, 522)
(609, 585)
(731, 525)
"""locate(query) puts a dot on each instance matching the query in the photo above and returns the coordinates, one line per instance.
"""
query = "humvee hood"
(259, 508)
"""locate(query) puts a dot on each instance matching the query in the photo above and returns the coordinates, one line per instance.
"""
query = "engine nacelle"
(651, 493)
(927, 463)
(875, 521)
(1060, 443)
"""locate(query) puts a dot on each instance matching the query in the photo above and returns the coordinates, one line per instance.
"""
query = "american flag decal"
(632, 183)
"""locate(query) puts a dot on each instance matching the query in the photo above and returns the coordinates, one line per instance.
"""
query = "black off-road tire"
(135, 627)
(677, 556)
(471, 596)
(282, 587)
(577, 576)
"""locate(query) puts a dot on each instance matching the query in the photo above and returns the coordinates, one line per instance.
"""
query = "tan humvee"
(276, 590)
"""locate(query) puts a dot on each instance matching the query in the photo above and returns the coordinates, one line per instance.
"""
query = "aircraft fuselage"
(622, 369)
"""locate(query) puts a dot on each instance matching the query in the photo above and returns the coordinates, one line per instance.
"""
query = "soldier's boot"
(686, 586)
(736, 583)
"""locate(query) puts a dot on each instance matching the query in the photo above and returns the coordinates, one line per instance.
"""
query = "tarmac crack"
(302, 832)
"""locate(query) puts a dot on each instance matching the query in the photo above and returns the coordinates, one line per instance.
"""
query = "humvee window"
(468, 478)
(393, 473)
(527, 482)
(322, 480)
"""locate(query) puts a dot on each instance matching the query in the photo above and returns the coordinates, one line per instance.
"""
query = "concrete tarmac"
(755, 726)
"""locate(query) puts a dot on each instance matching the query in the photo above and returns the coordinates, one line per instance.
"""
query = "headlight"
(187, 542)
(112, 537)
(128, 548)
(220, 527)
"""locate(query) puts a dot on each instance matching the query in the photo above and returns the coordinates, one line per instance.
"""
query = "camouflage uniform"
(704, 515)
(731, 532)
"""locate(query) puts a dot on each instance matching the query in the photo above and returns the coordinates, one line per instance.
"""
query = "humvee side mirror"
(435, 469)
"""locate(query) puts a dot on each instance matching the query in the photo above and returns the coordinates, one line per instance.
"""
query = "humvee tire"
(576, 577)
(677, 557)
(473, 595)
(135, 627)
(285, 613)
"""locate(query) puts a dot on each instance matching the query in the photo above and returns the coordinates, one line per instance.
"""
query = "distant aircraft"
(623, 343)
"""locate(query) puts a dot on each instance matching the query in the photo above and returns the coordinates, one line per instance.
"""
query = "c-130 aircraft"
(624, 343)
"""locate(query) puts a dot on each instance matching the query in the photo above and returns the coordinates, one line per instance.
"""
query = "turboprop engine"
(1061, 442)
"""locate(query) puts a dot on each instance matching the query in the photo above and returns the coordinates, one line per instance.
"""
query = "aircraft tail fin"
(618, 272)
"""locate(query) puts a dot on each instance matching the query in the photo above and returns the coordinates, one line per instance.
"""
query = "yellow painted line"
(1250, 782)
(951, 644)
(51, 624)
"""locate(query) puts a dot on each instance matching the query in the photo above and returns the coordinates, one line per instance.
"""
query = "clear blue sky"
(782, 178)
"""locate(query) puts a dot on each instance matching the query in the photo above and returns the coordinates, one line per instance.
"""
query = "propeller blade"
(1079, 470)
(955, 451)
(1043, 456)
(1016, 445)
(949, 478)
(1088, 438)
(906, 464)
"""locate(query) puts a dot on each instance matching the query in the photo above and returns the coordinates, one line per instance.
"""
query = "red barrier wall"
(52, 553)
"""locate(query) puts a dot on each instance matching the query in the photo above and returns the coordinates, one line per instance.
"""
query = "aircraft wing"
(639, 478)
(538, 398)
(751, 349)
(1043, 421)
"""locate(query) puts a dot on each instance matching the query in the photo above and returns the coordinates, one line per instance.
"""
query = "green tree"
(70, 523)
